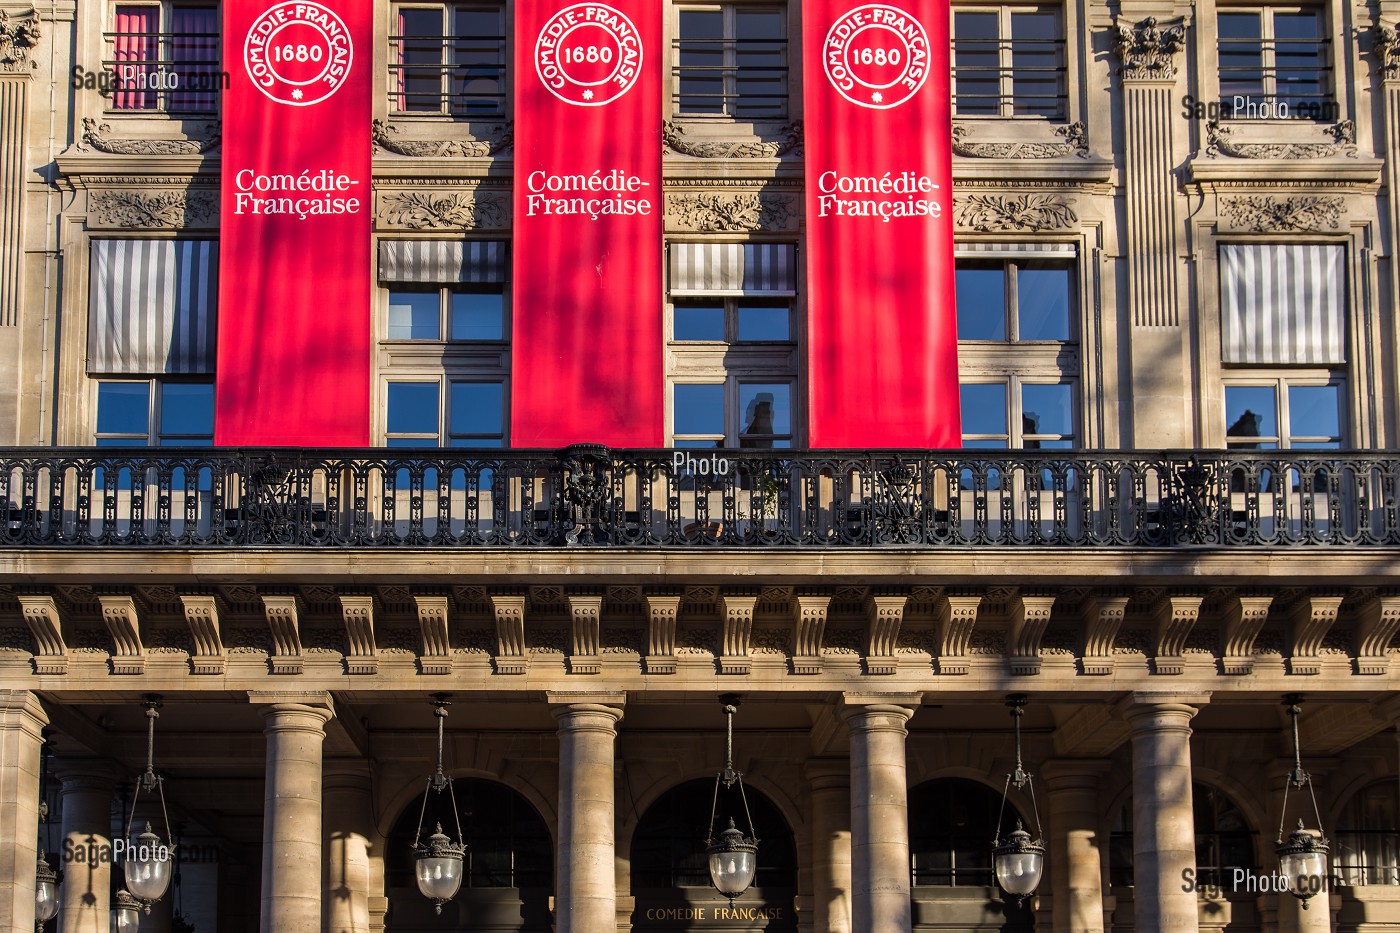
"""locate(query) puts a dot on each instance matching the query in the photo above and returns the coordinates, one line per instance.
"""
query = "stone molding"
(731, 212)
(1220, 140)
(789, 142)
(386, 137)
(19, 37)
(1385, 45)
(142, 210)
(95, 136)
(1076, 143)
(1005, 213)
(459, 210)
(1264, 214)
(1147, 50)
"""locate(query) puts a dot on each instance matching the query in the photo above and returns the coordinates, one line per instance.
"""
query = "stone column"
(22, 720)
(585, 854)
(1164, 833)
(1076, 878)
(350, 838)
(86, 892)
(879, 814)
(829, 794)
(295, 726)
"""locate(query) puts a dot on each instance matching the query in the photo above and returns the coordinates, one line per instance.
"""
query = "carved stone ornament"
(385, 137)
(19, 36)
(724, 212)
(159, 209)
(1263, 214)
(789, 142)
(1386, 44)
(999, 213)
(1147, 50)
(95, 135)
(1076, 143)
(420, 210)
(1220, 141)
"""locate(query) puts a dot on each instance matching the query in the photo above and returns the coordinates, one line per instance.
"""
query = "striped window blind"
(745, 269)
(442, 262)
(151, 306)
(1283, 303)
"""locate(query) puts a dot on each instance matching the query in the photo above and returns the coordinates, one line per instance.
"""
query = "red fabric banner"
(586, 344)
(882, 324)
(294, 284)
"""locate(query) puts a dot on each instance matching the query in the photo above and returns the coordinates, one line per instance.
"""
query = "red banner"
(586, 343)
(882, 324)
(294, 289)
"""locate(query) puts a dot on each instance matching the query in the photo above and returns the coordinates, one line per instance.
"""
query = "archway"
(509, 870)
(670, 871)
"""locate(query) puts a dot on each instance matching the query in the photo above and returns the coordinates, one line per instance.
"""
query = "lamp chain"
(1298, 777)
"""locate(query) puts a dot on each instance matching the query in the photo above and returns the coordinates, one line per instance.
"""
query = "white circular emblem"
(588, 54)
(298, 53)
(876, 56)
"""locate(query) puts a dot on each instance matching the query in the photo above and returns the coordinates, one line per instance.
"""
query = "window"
(951, 825)
(1025, 299)
(448, 59)
(469, 413)
(1026, 415)
(1367, 842)
(732, 321)
(731, 61)
(1273, 57)
(182, 413)
(1009, 61)
(165, 57)
(737, 413)
(1224, 840)
(1288, 412)
(461, 313)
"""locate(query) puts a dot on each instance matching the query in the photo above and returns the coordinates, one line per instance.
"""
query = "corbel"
(436, 657)
(1175, 617)
(281, 611)
(663, 606)
(957, 614)
(1242, 619)
(738, 626)
(1103, 616)
(202, 617)
(884, 613)
(509, 610)
(585, 614)
(1311, 617)
(358, 612)
(809, 614)
(40, 613)
(119, 615)
(1030, 615)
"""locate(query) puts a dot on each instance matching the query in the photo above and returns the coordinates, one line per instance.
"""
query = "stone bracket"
(1103, 617)
(119, 615)
(41, 615)
(884, 614)
(662, 610)
(202, 617)
(510, 634)
(1030, 615)
(432, 623)
(1243, 618)
(585, 613)
(957, 614)
(809, 613)
(738, 626)
(363, 656)
(282, 619)
(1310, 619)
(1377, 621)
(1175, 618)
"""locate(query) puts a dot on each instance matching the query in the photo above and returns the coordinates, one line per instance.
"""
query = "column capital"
(76, 775)
(21, 33)
(294, 710)
(878, 712)
(1074, 773)
(1144, 707)
(828, 773)
(20, 709)
(587, 712)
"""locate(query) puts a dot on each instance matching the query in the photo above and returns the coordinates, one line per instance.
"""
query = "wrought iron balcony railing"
(585, 495)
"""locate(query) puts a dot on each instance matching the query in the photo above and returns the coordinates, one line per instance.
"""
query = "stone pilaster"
(18, 37)
(295, 727)
(829, 793)
(585, 883)
(85, 894)
(1386, 49)
(354, 865)
(22, 720)
(1076, 877)
(879, 812)
(1164, 836)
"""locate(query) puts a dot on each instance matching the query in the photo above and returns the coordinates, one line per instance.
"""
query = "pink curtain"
(136, 44)
(194, 57)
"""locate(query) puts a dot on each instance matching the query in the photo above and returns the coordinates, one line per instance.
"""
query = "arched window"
(1367, 848)
(1224, 840)
(951, 825)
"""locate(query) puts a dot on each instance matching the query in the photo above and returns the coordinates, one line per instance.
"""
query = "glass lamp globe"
(438, 867)
(126, 913)
(1019, 862)
(148, 872)
(733, 860)
(45, 891)
(1303, 861)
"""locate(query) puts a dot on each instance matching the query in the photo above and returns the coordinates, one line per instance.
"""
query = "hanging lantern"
(733, 856)
(126, 913)
(1018, 862)
(147, 861)
(45, 892)
(439, 861)
(1302, 860)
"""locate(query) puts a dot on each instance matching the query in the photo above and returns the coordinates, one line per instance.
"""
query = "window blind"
(752, 269)
(1282, 303)
(151, 306)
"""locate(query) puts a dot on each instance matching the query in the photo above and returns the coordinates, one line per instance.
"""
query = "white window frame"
(445, 293)
(444, 401)
(445, 108)
(1268, 62)
(1006, 103)
(153, 436)
(1016, 437)
(1280, 381)
(730, 87)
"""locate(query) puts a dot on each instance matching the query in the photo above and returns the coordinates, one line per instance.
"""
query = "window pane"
(1042, 302)
(123, 407)
(1035, 63)
(701, 61)
(187, 408)
(977, 64)
(699, 409)
(413, 315)
(699, 322)
(1047, 409)
(413, 408)
(1241, 57)
(1250, 411)
(1314, 411)
(981, 296)
(478, 316)
(763, 323)
(764, 408)
(421, 50)
(477, 408)
(983, 408)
